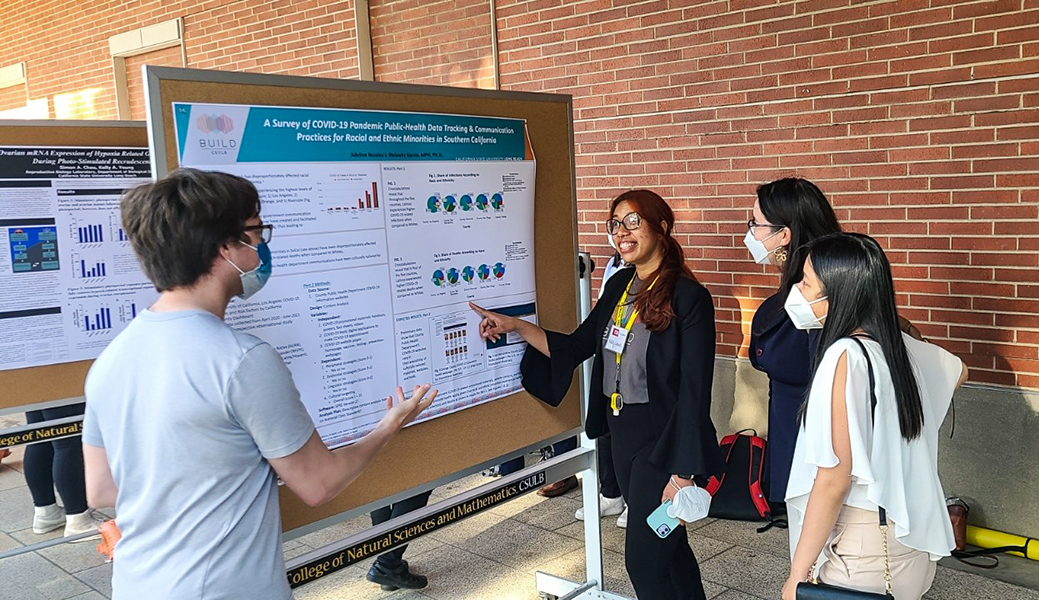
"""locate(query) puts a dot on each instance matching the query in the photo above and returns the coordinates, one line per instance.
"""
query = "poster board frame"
(467, 440)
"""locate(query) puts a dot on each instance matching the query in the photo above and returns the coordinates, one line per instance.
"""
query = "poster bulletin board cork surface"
(453, 443)
(60, 381)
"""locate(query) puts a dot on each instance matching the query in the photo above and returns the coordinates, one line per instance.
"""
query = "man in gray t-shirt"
(189, 420)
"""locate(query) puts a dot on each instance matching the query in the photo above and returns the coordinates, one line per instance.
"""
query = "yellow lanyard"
(616, 399)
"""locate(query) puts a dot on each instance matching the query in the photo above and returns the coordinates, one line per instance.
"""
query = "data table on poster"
(386, 225)
(69, 281)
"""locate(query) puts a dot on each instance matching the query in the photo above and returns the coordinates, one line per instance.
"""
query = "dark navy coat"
(786, 354)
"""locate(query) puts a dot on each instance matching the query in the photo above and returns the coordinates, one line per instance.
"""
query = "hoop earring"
(781, 254)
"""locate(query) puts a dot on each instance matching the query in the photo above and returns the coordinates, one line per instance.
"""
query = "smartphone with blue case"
(660, 523)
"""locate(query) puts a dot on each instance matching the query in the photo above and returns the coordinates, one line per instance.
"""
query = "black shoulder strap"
(872, 404)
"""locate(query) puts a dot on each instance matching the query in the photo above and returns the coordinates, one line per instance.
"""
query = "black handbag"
(813, 590)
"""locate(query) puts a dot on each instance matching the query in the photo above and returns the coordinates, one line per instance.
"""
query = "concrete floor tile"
(10, 477)
(611, 535)
(456, 574)
(748, 570)
(949, 584)
(15, 509)
(519, 545)
(8, 543)
(91, 595)
(774, 541)
(572, 566)
(735, 595)
(32, 577)
(706, 548)
(458, 532)
(74, 557)
(551, 514)
(99, 578)
(27, 538)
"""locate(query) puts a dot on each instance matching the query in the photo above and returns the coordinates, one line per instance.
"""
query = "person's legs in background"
(563, 485)
(610, 500)
(390, 570)
(510, 466)
(58, 464)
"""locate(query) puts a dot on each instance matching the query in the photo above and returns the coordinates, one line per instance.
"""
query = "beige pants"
(855, 558)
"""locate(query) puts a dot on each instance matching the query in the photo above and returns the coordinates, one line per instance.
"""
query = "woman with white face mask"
(787, 214)
(866, 508)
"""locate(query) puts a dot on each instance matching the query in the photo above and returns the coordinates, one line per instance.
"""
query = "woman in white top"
(850, 459)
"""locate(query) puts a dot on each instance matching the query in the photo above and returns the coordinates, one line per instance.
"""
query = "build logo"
(213, 123)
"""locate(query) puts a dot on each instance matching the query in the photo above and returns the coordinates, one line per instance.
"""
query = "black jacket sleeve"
(548, 378)
(689, 444)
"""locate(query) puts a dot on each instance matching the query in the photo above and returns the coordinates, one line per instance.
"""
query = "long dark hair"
(856, 279)
(654, 305)
(800, 205)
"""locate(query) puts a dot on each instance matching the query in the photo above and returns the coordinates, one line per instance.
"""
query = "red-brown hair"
(654, 305)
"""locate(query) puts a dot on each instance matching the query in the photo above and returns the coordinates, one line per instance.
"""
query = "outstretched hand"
(494, 325)
(405, 410)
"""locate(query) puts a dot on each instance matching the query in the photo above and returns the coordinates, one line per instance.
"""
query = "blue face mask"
(253, 281)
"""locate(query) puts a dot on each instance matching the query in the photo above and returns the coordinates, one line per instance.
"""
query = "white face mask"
(691, 504)
(800, 310)
(761, 255)
(253, 281)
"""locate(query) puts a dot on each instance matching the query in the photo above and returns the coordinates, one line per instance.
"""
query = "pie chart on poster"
(497, 201)
(468, 273)
(438, 278)
(433, 204)
(499, 270)
(481, 201)
(452, 275)
(483, 272)
(466, 202)
(449, 204)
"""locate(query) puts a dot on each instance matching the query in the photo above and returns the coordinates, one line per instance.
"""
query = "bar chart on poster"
(387, 224)
(70, 279)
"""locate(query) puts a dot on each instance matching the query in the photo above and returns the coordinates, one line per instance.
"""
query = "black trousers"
(607, 475)
(57, 463)
(391, 560)
(660, 569)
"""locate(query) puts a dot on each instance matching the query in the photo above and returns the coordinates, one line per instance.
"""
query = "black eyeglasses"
(631, 222)
(751, 224)
(266, 231)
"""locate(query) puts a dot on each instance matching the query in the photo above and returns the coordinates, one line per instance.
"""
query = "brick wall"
(73, 66)
(167, 57)
(434, 42)
(12, 97)
(919, 118)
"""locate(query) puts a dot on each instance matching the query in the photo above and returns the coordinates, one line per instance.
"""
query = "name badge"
(616, 339)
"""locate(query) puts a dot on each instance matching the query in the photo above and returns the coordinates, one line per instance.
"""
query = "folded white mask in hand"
(691, 504)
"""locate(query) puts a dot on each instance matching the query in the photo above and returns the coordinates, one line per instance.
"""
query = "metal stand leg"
(549, 586)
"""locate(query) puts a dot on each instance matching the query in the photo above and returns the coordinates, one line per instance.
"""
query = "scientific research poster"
(386, 224)
(69, 281)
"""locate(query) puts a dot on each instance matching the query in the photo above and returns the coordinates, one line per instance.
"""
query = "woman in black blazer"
(655, 399)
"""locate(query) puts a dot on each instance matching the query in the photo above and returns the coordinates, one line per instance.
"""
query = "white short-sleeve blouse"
(886, 470)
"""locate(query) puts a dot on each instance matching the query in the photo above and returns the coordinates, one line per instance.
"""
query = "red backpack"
(739, 493)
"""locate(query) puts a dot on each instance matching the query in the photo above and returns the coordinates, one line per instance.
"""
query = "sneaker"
(4, 454)
(85, 522)
(395, 578)
(47, 518)
(492, 472)
(607, 507)
(622, 521)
